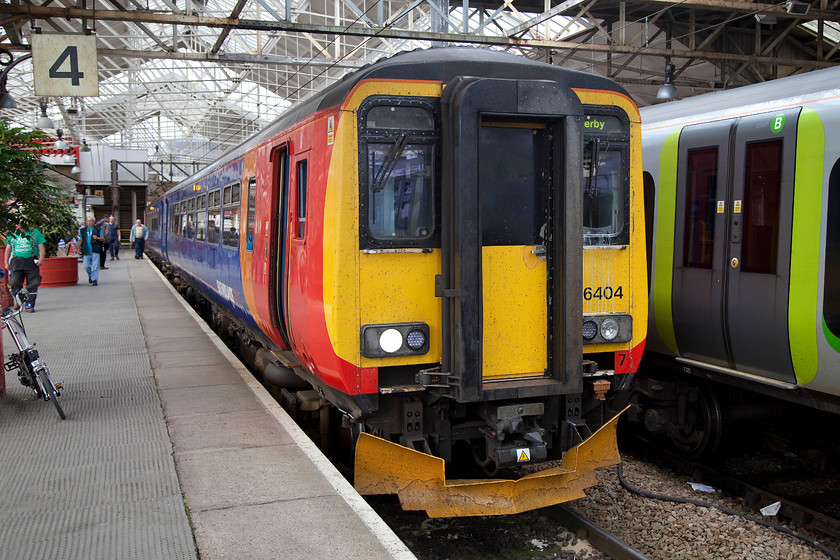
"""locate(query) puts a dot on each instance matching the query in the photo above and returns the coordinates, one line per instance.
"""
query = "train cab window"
(388, 116)
(231, 225)
(251, 218)
(762, 192)
(214, 216)
(399, 144)
(831, 300)
(701, 206)
(301, 198)
(201, 217)
(606, 178)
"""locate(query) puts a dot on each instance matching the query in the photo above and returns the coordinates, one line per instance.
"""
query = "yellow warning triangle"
(524, 456)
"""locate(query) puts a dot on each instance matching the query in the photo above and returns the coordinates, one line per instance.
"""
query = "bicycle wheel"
(44, 375)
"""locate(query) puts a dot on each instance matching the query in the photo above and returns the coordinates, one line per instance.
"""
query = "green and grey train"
(742, 192)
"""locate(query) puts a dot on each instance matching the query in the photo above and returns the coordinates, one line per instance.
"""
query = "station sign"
(65, 65)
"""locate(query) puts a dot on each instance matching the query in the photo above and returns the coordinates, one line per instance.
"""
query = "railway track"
(752, 485)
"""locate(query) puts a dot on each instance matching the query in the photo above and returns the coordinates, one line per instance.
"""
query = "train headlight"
(609, 328)
(396, 339)
(390, 340)
(415, 339)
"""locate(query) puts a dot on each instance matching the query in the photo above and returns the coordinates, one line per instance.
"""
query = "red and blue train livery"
(447, 245)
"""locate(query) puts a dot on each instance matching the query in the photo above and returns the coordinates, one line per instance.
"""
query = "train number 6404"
(605, 292)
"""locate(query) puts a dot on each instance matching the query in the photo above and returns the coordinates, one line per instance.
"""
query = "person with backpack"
(25, 251)
(138, 236)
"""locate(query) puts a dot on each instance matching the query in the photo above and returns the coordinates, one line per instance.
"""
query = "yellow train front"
(498, 275)
(448, 246)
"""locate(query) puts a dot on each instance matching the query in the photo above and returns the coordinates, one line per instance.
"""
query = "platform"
(170, 448)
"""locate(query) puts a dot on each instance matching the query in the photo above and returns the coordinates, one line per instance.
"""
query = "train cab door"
(733, 228)
(510, 281)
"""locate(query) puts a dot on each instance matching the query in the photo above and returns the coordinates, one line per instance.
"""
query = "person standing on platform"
(116, 237)
(90, 247)
(105, 227)
(139, 234)
(22, 246)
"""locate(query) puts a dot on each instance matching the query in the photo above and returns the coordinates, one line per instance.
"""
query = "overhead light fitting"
(60, 144)
(797, 8)
(44, 122)
(668, 91)
(6, 99)
(766, 19)
(85, 146)
(75, 170)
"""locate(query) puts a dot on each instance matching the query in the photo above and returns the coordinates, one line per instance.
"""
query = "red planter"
(59, 271)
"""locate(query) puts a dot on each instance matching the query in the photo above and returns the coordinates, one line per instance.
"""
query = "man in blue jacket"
(90, 247)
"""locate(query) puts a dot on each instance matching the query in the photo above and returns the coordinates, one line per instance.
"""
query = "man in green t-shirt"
(25, 252)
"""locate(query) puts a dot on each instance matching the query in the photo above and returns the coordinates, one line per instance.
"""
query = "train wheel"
(705, 422)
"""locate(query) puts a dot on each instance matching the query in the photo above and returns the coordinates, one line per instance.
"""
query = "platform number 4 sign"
(65, 65)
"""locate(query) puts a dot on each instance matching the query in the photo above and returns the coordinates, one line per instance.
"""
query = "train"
(742, 192)
(447, 246)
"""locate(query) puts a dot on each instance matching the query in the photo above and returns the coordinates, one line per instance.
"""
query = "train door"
(699, 256)
(279, 256)
(511, 235)
(732, 253)
(759, 244)
(513, 199)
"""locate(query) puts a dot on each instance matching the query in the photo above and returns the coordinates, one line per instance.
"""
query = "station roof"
(186, 79)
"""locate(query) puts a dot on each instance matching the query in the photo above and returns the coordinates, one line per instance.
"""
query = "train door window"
(200, 217)
(700, 209)
(512, 201)
(762, 192)
(831, 300)
(301, 198)
(251, 218)
(231, 225)
(214, 218)
(399, 146)
(606, 180)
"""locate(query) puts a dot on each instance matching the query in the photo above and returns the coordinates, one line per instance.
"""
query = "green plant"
(30, 198)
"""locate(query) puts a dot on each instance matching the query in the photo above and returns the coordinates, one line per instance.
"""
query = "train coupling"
(419, 479)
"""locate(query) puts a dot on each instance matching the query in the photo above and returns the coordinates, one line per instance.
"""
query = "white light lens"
(391, 340)
(609, 329)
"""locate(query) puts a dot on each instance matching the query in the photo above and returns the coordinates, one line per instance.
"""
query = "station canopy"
(184, 80)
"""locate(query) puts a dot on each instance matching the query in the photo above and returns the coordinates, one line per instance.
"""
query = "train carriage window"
(251, 218)
(762, 192)
(231, 226)
(171, 221)
(700, 207)
(214, 218)
(201, 217)
(831, 300)
(399, 141)
(301, 198)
